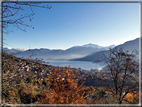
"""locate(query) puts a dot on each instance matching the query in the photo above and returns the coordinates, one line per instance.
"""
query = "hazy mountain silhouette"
(129, 45)
(87, 52)
(70, 53)
(97, 46)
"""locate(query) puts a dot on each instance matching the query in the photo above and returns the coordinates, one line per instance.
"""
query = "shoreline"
(80, 65)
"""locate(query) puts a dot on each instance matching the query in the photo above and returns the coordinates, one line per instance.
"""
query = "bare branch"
(11, 11)
(122, 66)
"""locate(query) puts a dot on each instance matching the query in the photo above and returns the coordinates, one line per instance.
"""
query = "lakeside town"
(80, 35)
(19, 73)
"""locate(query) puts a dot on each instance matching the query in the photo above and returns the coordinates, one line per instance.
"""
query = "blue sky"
(70, 24)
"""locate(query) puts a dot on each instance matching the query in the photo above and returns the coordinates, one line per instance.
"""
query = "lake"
(77, 64)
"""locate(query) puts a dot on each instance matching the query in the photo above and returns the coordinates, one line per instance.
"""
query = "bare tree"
(13, 14)
(123, 68)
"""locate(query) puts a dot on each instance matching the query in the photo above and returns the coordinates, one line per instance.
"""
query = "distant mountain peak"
(91, 45)
(97, 46)
(9, 48)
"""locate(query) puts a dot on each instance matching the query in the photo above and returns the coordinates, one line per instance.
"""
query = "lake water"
(77, 64)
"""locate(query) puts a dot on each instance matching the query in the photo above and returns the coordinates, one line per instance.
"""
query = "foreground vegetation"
(27, 82)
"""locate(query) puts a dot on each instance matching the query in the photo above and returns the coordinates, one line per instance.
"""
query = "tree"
(12, 14)
(123, 68)
(63, 88)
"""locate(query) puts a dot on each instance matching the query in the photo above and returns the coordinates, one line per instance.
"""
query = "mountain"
(54, 54)
(92, 45)
(11, 50)
(97, 46)
(129, 45)
(48, 54)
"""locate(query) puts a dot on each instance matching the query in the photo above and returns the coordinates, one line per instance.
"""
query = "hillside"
(26, 82)
(21, 74)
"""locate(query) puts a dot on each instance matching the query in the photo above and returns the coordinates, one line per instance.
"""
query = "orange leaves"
(132, 98)
(75, 86)
(67, 100)
(62, 73)
(69, 75)
(57, 80)
(63, 87)
(129, 97)
(89, 91)
(46, 97)
(67, 70)
(73, 76)
(136, 97)
(72, 96)
(61, 100)
(63, 69)
(43, 94)
(84, 93)
(56, 70)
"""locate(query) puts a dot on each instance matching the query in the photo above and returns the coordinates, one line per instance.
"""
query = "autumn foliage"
(63, 88)
(47, 84)
(132, 98)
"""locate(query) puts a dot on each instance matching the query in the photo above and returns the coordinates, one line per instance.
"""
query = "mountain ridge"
(70, 53)
(128, 45)
(87, 52)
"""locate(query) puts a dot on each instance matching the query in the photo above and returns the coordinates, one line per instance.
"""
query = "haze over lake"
(76, 64)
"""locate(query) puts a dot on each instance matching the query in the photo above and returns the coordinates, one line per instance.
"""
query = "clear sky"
(70, 24)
